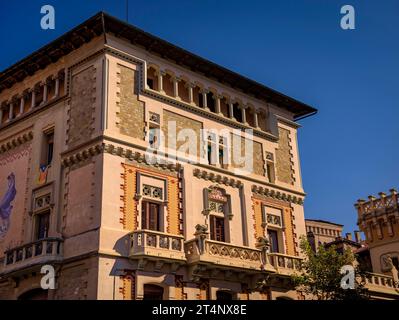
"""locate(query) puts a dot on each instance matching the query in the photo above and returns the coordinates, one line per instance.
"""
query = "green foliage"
(320, 275)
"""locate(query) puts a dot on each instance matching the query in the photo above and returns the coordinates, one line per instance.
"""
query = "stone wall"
(181, 123)
(284, 161)
(131, 111)
(81, 109)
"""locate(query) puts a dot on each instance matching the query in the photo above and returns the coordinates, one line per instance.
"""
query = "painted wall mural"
(14, 182)
(6, 206)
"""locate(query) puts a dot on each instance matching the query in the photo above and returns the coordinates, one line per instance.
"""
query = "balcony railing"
(39, 252)
(381, 283)
(284, 264)
(224, 254)
(156, 244)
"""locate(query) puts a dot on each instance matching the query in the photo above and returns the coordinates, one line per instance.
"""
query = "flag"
(43, 174)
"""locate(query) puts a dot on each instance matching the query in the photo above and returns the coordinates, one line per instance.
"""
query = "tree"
(320, 275)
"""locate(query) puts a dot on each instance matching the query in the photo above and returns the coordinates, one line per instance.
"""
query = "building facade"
(378, 218)
(93, 184)
(321, 232)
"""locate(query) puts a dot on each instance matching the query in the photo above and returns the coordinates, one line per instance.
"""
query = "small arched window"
(153, 292)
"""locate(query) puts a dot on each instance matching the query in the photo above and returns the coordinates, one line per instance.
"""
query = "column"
(33, 98)
(11, 111)
(243, 113)
(176, 81)
(217, 102)
(22, 105)
(57, 87)
(204, 99)
(256, 122)
(45, 92)
(160, 81)
(231, 110)
(190, 87)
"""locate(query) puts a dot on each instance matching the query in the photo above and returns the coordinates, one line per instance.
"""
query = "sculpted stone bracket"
(94, 150)
(217, 178)
(270, 193)
(15, 142)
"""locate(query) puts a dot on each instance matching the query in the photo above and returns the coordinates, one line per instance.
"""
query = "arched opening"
(168, 85)
(224, 295)
(152, 78)
(183, 90)
(35, 294)
(152, 292)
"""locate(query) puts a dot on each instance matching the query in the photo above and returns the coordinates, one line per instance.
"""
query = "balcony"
(380, 283)
(156, 244)
(40, 252)
(284, 264)
(225, 254)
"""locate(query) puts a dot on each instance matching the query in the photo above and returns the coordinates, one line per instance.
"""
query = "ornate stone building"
(378, 218)
(79, 120)
(320, 232)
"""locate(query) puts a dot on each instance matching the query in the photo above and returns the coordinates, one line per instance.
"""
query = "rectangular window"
(48, 148)
(273, 238)
(217, 229)
(150, 216)
(42, 225)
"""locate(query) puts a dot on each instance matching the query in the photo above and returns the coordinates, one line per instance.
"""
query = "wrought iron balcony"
(284, 264)
(40, 252)
(156, 244)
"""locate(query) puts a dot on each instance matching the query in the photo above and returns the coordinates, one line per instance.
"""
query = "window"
(200, 100)
(48, 148)
(237, 112)
(210, 101)
(150, 216)
(152, 292)
(395, 262)
(42, 225)
(154, 130)
(273, 238)
(217, 228)
(150, 83)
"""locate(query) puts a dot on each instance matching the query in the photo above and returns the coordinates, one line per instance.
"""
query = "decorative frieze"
(15, 142)
(217, 178)
(279, 195)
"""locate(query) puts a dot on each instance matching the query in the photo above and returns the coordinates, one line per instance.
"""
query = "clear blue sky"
(350, 148)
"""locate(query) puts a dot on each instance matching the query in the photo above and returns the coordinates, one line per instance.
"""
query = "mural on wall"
(6, 206)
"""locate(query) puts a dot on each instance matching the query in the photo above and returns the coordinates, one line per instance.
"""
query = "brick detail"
(81, 109)
(284, 158)
(257, 151)
(179, 288)
(289, 232)
(173, 216)
(203, 290)
(129, 209)
(257, 217)
(129, 110)
(128, 288)
(181, 123)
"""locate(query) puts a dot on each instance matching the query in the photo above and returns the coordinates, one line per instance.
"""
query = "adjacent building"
(321, 232)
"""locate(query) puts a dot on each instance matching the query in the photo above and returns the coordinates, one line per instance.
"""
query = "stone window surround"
(154, 181)
(41, 192)
(280, 229)
(190, 85)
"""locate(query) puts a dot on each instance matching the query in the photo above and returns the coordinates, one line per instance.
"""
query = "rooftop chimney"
(348, 236)
(357, 236)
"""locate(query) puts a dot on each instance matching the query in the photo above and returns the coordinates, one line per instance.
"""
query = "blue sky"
(349, 149)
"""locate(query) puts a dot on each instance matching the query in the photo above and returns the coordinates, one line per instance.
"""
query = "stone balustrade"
(374, 204)
(44, 251)
(284, 264)
(224, 254)
(156, 244)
